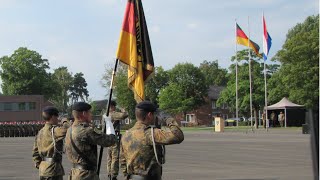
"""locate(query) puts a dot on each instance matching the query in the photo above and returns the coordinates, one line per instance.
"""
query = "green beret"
(81, 106)
(147, 106)
(50, 110)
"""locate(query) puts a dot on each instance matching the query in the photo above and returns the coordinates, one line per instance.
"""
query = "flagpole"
(107, 113)
(236, 49)
(265, 79)
(250, 75)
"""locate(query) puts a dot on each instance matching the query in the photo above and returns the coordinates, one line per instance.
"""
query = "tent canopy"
(285, 104)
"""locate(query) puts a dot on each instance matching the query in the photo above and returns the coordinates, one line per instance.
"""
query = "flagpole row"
(107, 113)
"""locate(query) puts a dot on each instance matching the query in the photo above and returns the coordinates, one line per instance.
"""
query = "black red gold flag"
(134, 48)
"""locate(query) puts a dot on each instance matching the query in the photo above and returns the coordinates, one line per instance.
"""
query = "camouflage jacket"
(137, 155)
(116, 117)
(45, 147)
(86, 139)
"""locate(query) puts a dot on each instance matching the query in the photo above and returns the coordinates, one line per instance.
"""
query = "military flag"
(134, 48)
(243, 39)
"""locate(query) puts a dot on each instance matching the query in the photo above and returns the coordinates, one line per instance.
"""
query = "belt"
(137, 177)
(48, 159)
(84, 167)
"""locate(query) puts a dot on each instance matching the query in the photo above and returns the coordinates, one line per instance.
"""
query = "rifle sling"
(83, 156)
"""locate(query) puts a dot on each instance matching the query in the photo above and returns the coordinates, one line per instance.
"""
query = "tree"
(25, 73)
(156, 83)
(78, 88)
(64, 81)
(213, 74)
(187, 83)
(173, 101)
(228, 95)
(123, 95)
(298, 76)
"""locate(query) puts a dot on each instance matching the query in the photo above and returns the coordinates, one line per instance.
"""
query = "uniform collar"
(140, 124)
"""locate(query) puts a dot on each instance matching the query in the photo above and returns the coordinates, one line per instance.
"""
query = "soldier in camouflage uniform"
(137, 158)
(48, 146)
(113, 151)
(82, 141)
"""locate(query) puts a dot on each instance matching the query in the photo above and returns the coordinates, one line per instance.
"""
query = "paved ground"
(204, 155)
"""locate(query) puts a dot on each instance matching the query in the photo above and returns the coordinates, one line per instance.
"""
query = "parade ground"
(279, 154)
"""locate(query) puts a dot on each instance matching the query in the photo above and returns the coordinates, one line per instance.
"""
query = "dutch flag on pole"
(266, 40)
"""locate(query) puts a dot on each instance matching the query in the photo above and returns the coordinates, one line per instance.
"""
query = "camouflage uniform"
(113, 151)
(47, 154)
(137, 155)
(85, 140)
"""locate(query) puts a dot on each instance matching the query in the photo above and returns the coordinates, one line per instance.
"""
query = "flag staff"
(107, 113)
(265, 75)
(250, 75)
(236, 49)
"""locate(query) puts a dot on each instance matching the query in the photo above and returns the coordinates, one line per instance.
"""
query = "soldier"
(113, 151)
(281, 119)
(138, 159)
(48, 146)
(82, 141)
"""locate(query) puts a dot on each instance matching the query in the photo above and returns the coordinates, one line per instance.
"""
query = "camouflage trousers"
(51, 178)
(113, 160)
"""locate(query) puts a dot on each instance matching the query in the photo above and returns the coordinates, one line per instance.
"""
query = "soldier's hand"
(37, 165)
(171, 121)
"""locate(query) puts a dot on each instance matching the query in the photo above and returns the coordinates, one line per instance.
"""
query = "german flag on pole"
(135, 49)
(243, 40)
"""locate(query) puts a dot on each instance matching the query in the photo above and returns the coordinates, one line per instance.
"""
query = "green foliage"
(24, 73)
(156, 83)
(186, 90)
(125, 97)
(63, 79)
(298, 77)
(78, 88)
(228, 95)
(214, 75)
(172, 99)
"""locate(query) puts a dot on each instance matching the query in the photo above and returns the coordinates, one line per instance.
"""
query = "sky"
(83, 34)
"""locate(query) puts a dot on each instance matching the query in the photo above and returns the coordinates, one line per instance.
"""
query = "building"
(22, 108)
(204, 115)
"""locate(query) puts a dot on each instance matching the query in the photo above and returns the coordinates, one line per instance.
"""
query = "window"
(190, 118)
(7, 106)
(22, 106)
(32, 106)
(214, 104)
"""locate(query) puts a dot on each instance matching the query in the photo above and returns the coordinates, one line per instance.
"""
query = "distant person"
(113, 151)
(48, 146)
(264, 119)
(82, 140)
(281, 119)
(273, 119)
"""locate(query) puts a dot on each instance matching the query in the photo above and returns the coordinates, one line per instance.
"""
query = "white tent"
(284, 104)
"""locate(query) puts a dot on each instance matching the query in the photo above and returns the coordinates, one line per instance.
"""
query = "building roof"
(101, 104)
(214, 91)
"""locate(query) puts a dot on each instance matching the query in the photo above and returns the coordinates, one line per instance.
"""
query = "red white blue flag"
(267, 41)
